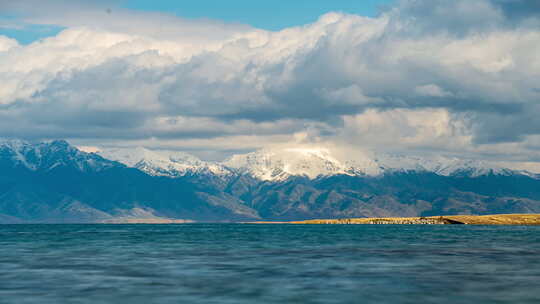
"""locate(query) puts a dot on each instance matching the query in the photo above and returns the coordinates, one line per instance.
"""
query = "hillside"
(54, 182)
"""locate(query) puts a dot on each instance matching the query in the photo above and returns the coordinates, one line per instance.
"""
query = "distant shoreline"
(499, 219)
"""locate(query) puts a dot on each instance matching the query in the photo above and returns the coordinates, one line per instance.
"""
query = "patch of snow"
(281, 164)
(267, 164)
(50, 155)
(445, 166)
(163, 163)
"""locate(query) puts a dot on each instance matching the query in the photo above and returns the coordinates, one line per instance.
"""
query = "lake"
(236, 263)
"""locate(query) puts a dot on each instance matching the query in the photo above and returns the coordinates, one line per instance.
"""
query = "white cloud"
(435, 75)
(7, 43)
(403, 129)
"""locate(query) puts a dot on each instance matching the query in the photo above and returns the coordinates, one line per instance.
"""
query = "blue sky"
(26, 34)
(270, 15)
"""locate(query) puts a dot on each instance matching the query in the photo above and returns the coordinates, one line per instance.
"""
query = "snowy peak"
(278, 165)
(50, 155)
(266, 165)
(445, 166)
(162, 162)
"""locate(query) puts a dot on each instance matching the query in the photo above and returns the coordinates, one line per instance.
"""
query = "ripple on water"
(225, 263)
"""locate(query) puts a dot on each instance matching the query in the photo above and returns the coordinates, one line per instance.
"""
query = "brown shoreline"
(499, 219)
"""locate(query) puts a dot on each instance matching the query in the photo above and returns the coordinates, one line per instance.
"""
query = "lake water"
(234, 263)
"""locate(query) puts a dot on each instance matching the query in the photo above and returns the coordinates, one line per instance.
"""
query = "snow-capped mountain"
(280, 164)
(50, 155)
(54, 182)
(266, 164)
(163, 163)
(445, 166)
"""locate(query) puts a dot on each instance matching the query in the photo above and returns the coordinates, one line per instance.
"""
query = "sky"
(269, 15)
(425, 77)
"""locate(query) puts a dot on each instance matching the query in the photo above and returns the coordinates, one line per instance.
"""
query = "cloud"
(422, 75)
(108, 15)
(400, 129)
(7, 43)
(521, 10)
(457, 18)
(432, 90)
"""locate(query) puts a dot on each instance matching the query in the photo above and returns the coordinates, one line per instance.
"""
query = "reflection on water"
(229, 263)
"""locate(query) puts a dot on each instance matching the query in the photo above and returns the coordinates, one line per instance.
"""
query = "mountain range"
(54, 182)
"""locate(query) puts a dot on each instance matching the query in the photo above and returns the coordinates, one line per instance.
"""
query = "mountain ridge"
(48, 155)
(54, 182)
(280, 164)
(162, 162)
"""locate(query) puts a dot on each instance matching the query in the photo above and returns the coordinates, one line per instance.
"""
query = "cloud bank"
(457, 77)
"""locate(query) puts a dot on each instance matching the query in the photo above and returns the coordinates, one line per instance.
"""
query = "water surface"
(234, 263)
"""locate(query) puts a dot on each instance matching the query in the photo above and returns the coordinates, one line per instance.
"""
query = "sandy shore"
(499, 219)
